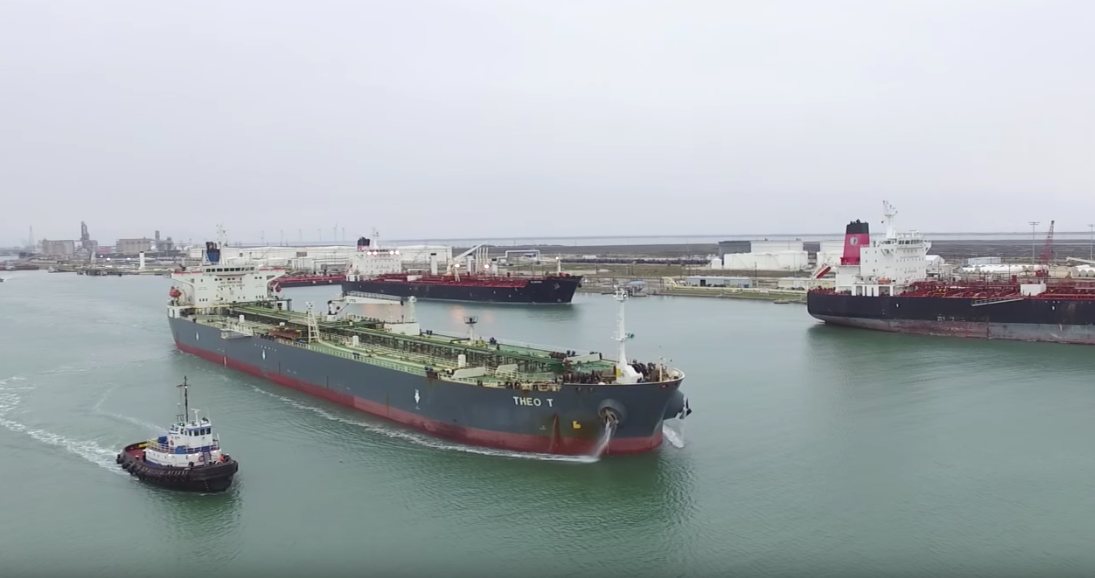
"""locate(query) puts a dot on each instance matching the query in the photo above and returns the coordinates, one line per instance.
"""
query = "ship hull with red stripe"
(550, 289)
(565, 422)
(1021, 318)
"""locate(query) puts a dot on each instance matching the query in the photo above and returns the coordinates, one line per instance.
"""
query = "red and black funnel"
(857, 234)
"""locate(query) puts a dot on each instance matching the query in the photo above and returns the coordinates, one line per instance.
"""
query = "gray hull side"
(564, 421)
(1076, 334)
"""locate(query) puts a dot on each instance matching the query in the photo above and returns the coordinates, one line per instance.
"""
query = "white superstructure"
(189, 442)
(370, 260)
(217, 284)
(324, 257)
(883, 266)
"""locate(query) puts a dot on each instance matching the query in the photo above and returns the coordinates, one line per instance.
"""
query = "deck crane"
(454, 265)
(1047, 253)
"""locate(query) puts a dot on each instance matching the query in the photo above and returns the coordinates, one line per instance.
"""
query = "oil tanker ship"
(377, 270)
(883, 284)
(366, 351)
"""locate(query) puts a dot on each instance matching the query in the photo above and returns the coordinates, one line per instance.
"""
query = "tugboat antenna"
(186, 401)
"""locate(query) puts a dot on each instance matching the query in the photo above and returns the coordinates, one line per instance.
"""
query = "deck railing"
(163, 448)
(540, 381)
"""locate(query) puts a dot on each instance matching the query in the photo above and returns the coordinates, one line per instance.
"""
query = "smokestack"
(856, 235)
(433, 263)
(141, 265)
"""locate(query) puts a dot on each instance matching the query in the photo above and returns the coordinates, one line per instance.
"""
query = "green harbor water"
(812, 451)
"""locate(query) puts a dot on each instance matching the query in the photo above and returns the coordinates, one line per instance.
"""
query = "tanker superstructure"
(883, 284)
(472, 276)
(367, 351)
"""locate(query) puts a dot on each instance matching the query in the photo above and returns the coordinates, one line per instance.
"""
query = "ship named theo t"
(366, 351)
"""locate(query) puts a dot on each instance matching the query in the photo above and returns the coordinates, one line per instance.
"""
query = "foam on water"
(427, 441)
(87, 449)
(672, 436)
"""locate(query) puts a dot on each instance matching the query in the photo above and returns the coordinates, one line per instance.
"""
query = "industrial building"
(134, 246)
(144, 245)
(766, 255)
(830, 252)
(58, 248)
(710, 281)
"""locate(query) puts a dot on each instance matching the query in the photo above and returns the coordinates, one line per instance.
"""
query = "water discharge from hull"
(602, 444)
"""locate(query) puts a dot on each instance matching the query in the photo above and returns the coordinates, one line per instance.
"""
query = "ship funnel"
(212, 253)
(362, 243)
(856, 235)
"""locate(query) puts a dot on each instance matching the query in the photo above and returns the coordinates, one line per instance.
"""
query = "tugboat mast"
(186, 402)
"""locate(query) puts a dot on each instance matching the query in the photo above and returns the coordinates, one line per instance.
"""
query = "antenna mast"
(470, 321)
(623, 370)
(222, 236)
(186, 401)
(889, 212)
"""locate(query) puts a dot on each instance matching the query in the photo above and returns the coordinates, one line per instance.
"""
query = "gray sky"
(532, 118)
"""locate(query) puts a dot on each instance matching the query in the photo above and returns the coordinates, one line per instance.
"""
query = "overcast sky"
(480, 118)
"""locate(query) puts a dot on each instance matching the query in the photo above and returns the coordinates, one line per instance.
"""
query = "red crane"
(1047, 252)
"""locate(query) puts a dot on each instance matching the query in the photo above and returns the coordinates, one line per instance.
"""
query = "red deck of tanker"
(1063, 289)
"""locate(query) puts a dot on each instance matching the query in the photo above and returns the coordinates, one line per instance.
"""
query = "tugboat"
(188, 458)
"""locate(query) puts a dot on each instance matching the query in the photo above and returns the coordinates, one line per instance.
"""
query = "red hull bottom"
(466, 435)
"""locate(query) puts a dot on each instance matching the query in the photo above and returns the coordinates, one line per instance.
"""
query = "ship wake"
(434, 443)
(98, 408)
(89, 450)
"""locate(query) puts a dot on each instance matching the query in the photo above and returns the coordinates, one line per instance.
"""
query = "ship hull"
(557, 422)
(547, 290)
(1029, 319)
(212, 478)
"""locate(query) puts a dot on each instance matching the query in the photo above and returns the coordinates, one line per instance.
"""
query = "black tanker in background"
(378, 270)
(887, 284)
(366, 351)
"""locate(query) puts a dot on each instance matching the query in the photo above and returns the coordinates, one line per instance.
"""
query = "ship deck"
(465, 280)
(979, 290)
(527, 352)
(501, 364)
